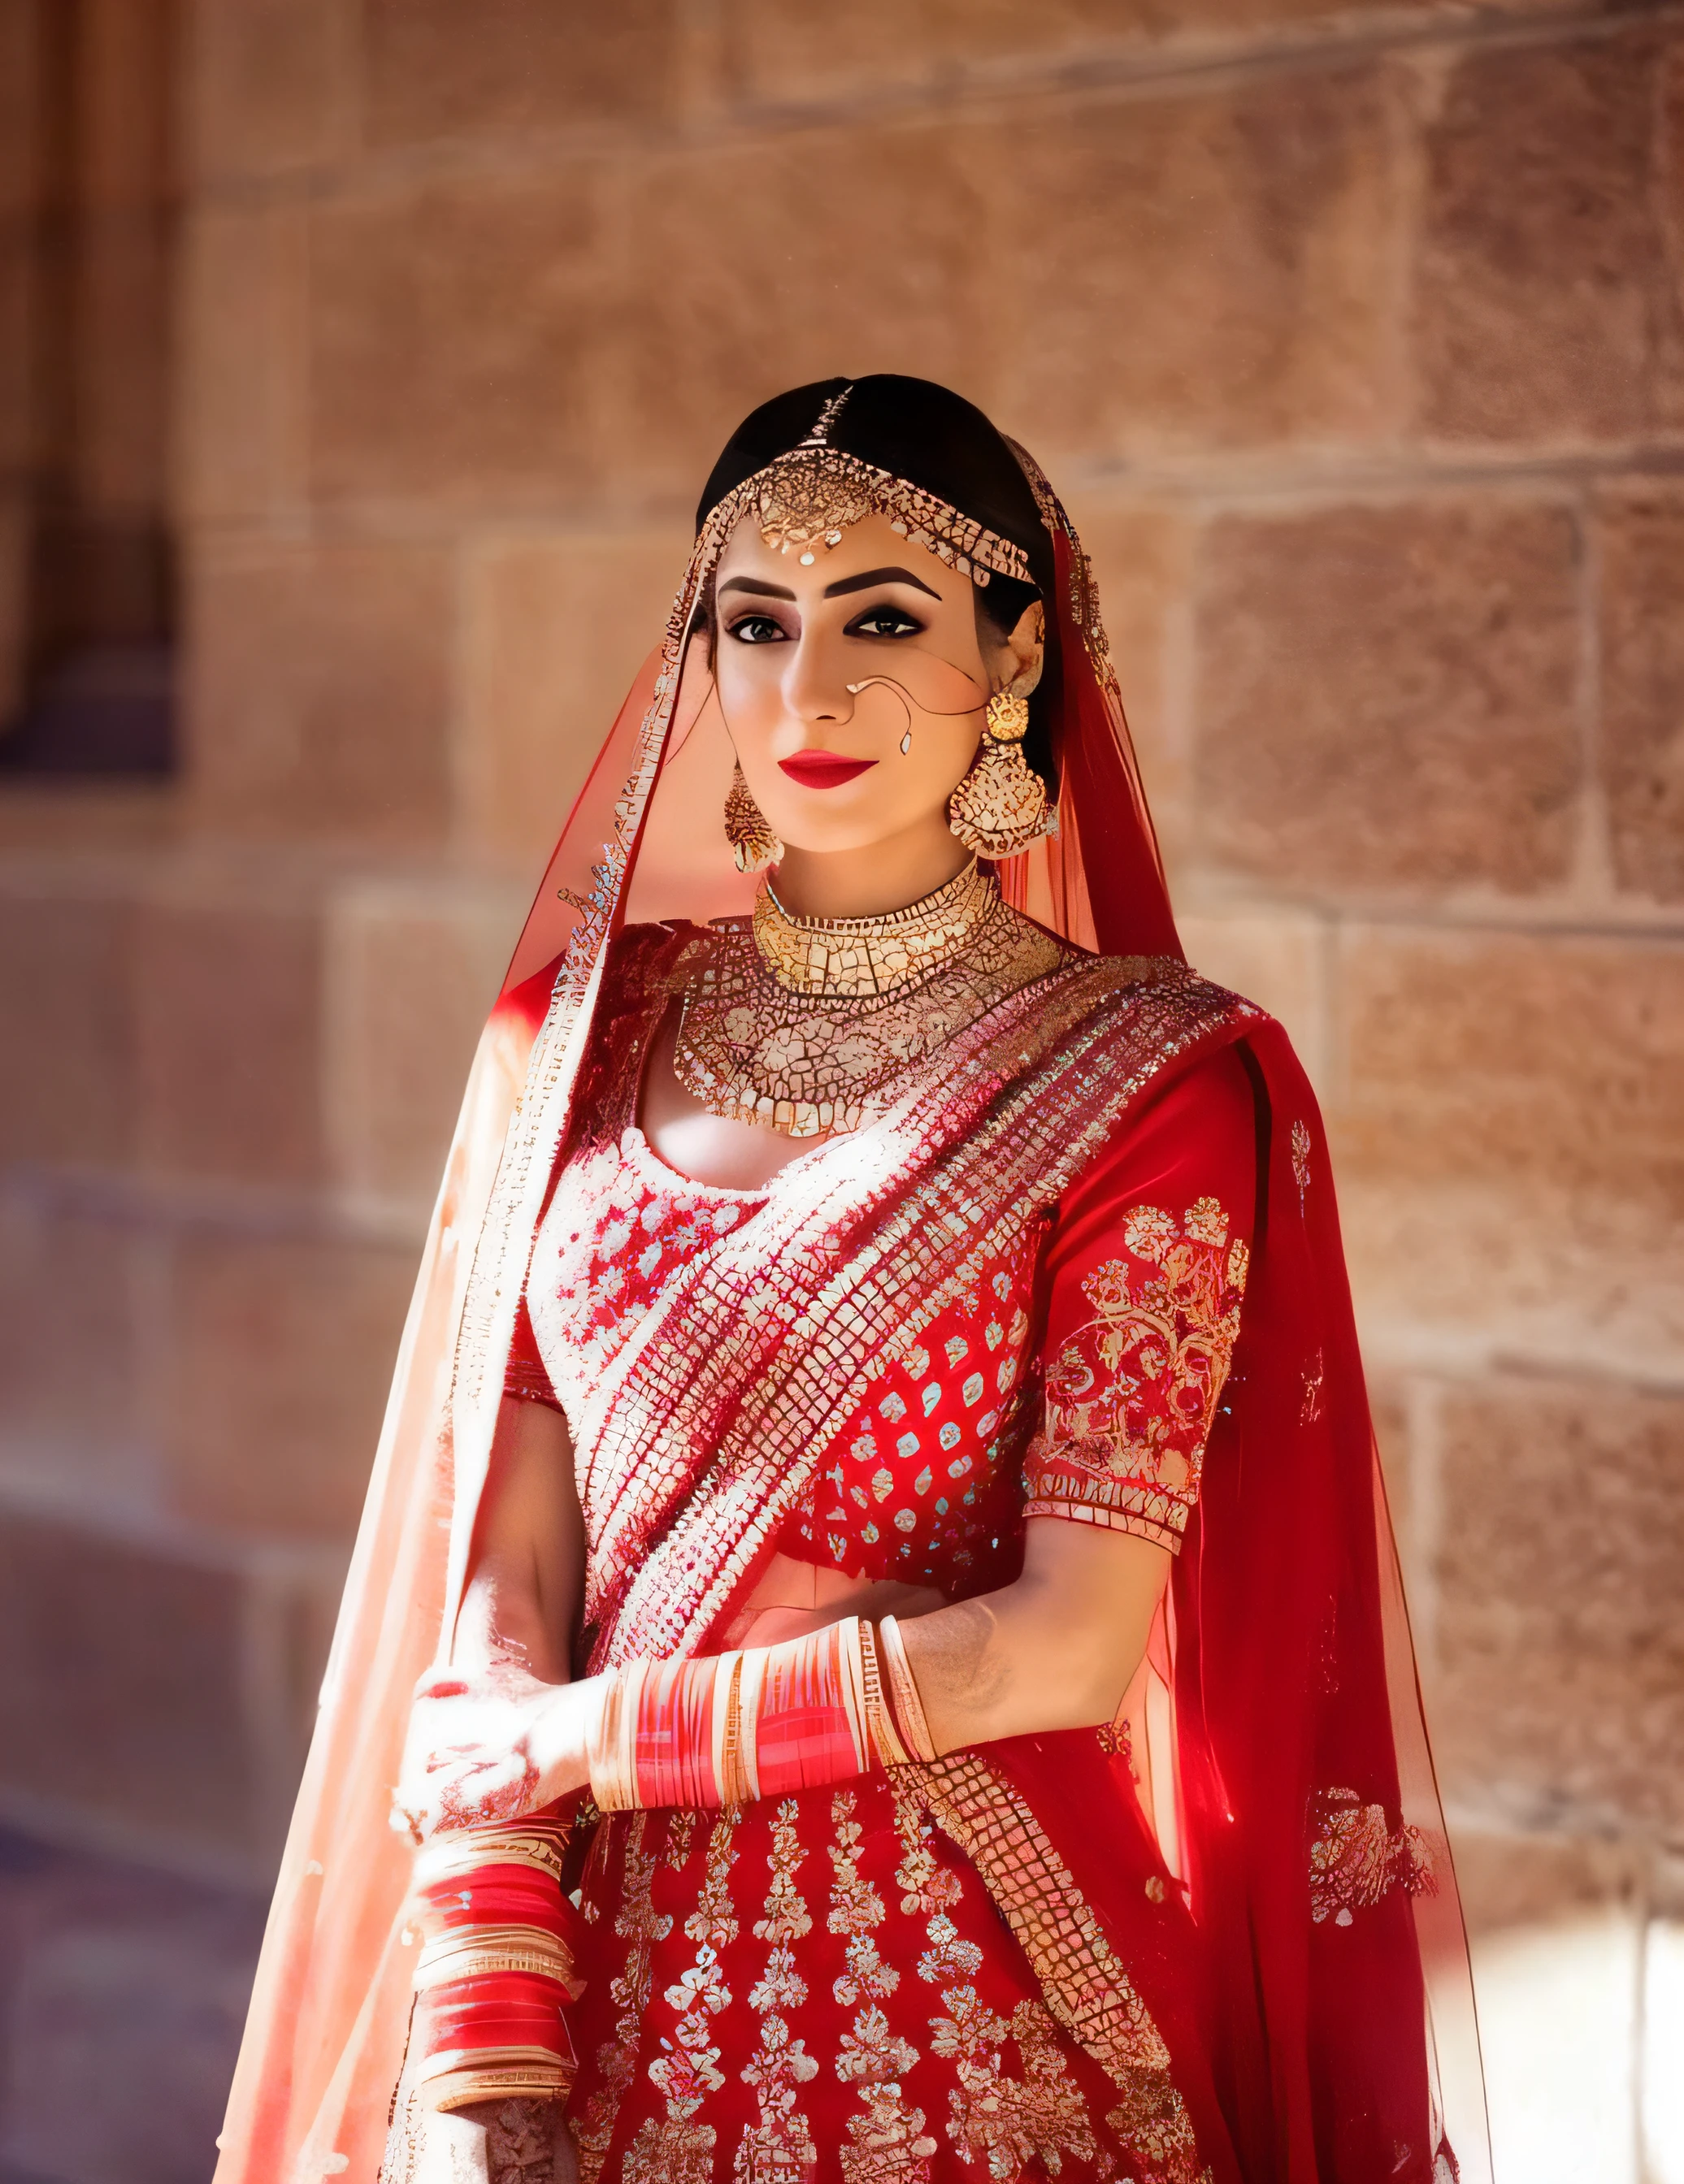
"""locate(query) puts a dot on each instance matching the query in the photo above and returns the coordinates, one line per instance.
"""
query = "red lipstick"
(823, 769)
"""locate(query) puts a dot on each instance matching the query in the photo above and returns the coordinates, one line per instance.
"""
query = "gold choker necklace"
(804, 1023)
(857, 955)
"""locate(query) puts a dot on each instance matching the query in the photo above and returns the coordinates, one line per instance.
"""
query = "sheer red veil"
(1306, 1824)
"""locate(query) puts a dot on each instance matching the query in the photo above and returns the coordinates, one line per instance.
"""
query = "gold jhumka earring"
(754, 844)
(1000, 806)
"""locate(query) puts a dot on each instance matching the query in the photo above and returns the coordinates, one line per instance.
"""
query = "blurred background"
(360, 362)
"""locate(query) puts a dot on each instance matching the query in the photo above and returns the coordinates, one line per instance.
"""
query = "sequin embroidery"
(1130, 1397)
(1356, 1859)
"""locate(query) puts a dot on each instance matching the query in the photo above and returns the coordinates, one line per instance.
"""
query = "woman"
(879, 1461)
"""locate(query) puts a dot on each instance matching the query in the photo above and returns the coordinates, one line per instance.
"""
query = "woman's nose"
(814, 684)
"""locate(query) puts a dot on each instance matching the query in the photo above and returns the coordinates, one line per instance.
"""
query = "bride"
(875, 1597)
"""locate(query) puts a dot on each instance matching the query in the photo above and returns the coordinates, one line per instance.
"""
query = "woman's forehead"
(871, 543)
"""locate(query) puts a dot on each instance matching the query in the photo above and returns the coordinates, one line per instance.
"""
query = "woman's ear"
(1024, 654)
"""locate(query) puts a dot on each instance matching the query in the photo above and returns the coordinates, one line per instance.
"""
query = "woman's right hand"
(490, 1744)
(500, 1730)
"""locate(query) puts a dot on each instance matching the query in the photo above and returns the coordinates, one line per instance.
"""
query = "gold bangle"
(477, 1952)
(460, 2076)
(851, 1633)
(733, 1775)
(612, 1752)
(903, 1690)
(539, 1843)
(602, 1743)
(719, 1723)
(750, 1684)
(879, 1715)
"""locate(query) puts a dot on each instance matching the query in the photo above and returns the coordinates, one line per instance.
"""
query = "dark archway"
(87, 566)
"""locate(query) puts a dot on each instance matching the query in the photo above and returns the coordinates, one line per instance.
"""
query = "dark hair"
(933, 439)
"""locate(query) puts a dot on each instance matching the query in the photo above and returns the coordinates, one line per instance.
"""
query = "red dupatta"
(1310, 1840)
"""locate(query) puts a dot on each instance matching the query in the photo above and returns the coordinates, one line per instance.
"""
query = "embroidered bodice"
(923, 1486)
(1076, 1376)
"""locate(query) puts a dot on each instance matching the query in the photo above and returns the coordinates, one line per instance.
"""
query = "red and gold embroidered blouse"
(1078, 1379)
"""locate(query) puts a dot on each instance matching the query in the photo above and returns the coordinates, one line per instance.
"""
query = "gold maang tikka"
(1000, 806)
(811, 495)
(804, 500)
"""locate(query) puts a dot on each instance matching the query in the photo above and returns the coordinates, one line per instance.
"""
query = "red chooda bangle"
(725, 1729)
(496, 1965)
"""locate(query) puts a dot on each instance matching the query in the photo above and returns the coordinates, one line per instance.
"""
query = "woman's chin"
(841, 838)
(855, 827)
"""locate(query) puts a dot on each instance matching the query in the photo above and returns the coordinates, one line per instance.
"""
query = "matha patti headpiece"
(807, 499)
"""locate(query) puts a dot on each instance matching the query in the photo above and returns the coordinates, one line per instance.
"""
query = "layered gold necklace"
(799, 1023)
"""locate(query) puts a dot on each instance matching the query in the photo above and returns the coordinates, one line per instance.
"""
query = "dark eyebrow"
(877, 576)
(753, 584)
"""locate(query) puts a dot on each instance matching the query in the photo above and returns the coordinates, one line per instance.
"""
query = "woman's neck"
(868, 882)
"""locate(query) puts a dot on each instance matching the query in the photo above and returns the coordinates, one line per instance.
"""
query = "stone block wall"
(1354, 336)
(228, 1075)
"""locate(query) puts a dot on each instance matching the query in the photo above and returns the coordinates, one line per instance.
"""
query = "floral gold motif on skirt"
(1086, 1985)
(887, 2139)
(639, 1923)
(780, 2148)
(1007, 2120)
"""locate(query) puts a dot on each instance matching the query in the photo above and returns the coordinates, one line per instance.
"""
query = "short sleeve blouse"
(1143, 1277)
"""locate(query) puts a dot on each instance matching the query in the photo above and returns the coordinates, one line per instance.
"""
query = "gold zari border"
(1114, 1505)
(1087, 1984)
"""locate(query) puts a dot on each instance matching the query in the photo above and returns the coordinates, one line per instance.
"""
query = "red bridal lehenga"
(1080, 1261)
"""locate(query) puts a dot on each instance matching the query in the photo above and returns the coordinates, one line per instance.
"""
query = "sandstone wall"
(1355, 339)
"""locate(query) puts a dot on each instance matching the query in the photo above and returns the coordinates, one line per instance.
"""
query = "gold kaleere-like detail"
(800, 1024)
